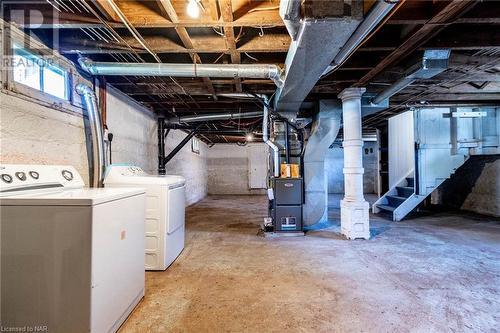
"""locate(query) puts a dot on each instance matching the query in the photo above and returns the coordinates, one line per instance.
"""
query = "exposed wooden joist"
(431, 28)
(169, 10)
(270, 43)
(226, 9)
(106, 9)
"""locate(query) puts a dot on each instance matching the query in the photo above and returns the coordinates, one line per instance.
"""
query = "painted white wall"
(190, 165)
(229, 168)
(401, 147)
(31, 133)
(135, 142)
(134, 131)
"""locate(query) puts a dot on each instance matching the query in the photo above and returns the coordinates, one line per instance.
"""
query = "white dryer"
(165, 211)
(72, 257)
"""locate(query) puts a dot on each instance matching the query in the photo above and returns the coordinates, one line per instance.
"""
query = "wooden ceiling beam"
(168, 9)
(450, 11)
(106, 9)
(226, 9)
(162, 44)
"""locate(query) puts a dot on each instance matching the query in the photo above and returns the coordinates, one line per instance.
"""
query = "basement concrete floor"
(438, 273)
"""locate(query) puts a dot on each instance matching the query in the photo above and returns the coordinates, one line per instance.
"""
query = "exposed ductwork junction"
(320, 45)
(433, 63)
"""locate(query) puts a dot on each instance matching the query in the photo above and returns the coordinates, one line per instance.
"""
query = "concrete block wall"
(334, 165)
(32, 133)
(135, 142)
(134, 128)
(228, 169)
(191, 166)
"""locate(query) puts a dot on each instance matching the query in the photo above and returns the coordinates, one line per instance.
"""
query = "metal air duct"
(379, 11)
(214, 116)
(252, 71)
(94, 116)
(290, 13)
(265, 138)
(433, 63)
(324, 131)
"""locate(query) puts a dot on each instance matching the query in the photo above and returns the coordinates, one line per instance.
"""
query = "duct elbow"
(87, 65)
(276, 75)
(84, 90)
(290, 13)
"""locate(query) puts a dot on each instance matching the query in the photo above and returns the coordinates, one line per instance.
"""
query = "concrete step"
(387, 208)
(410, 182)
(394, 200)
(404, 191)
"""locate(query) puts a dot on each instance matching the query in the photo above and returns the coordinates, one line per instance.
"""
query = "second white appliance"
(165, 211)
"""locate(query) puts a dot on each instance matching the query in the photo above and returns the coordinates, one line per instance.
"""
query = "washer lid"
(77, 197)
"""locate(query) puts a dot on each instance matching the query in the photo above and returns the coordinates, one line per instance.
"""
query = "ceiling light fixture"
(193, 9)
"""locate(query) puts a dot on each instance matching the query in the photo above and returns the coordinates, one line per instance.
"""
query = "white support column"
(353, 208)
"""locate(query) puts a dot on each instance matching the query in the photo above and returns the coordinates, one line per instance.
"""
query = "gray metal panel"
(288, 218)
(288, 191)
(317, 44)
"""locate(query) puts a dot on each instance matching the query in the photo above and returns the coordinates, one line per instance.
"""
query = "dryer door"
(175, 209)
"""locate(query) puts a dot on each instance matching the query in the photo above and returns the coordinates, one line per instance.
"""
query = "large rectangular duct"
(325, 129)
(432, 63)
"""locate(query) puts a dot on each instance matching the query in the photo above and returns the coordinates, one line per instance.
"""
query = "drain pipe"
(378, 13)
(90, 101)
(252, 71)
(265, 138)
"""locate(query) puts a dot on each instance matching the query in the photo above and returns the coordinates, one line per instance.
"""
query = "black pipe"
(179, 146)
(161, 146)
(287, 143)
(416, 182)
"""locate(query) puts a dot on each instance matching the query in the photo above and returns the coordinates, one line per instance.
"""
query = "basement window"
(39, 74)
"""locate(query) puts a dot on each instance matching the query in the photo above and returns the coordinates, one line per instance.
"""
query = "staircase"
(399, 200)
(443, 140)
(402, 199)
(396, 199)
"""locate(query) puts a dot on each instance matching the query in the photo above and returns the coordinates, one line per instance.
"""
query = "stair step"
(394, 200)
(386, 208)
(410, 182)
(404, 191)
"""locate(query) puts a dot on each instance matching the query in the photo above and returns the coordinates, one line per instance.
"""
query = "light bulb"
(249, 137)
(193, 9)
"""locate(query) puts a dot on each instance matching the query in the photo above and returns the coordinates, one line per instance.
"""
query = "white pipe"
(94, 116)
(252, 71)
(265, 138)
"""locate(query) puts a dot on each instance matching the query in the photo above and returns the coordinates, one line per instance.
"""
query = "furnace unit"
(286, 204)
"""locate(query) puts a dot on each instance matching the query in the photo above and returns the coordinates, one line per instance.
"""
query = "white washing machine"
(72, 257)
(165, 211)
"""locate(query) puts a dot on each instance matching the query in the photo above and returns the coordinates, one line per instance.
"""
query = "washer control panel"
(20, 176)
